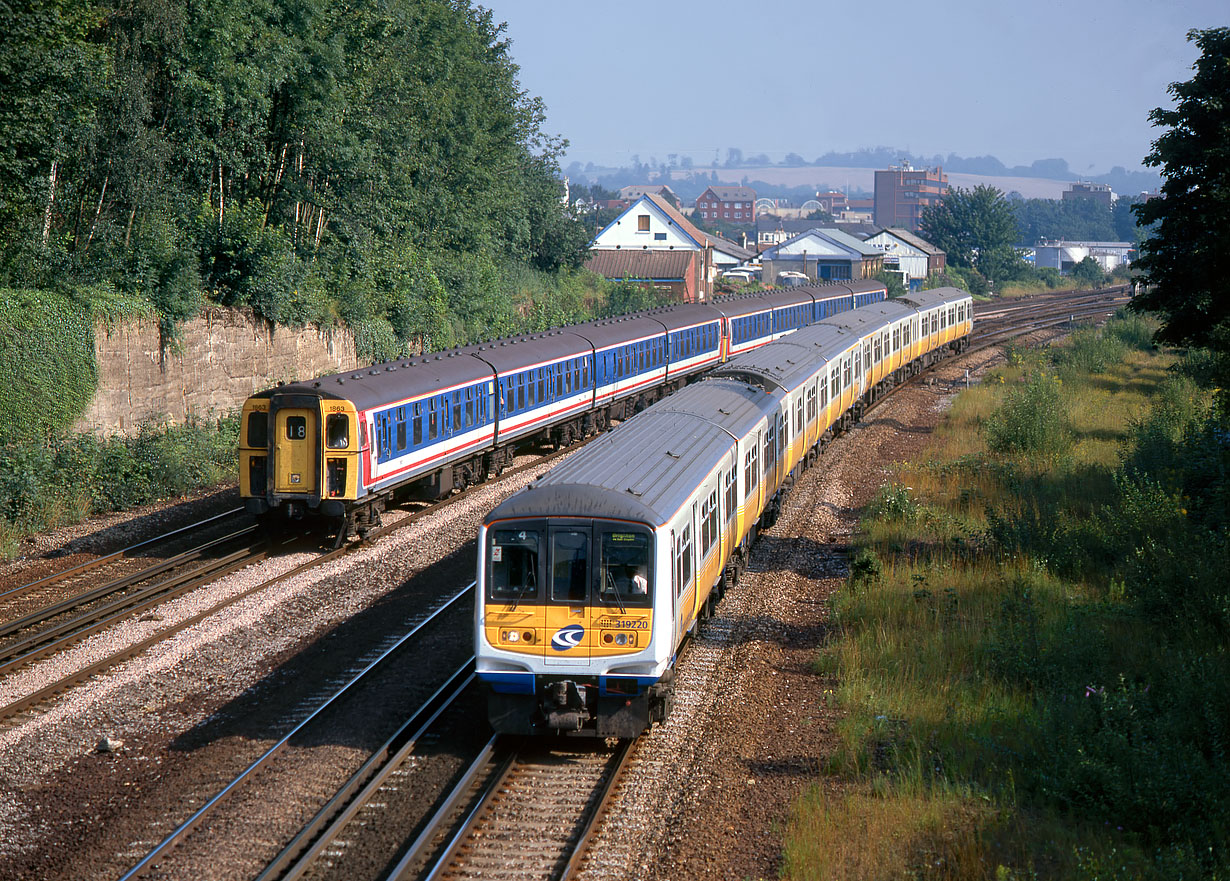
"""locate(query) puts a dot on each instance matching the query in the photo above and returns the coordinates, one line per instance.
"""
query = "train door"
(295, 449)
(780, 452)
(569, 632)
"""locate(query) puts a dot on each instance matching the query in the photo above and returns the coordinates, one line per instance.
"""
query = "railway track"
(532, 819)
(138, 600)
(333, 711)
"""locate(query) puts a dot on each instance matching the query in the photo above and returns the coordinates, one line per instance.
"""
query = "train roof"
(649, 466)
(612, 331)
(517, 353)
(785, 363)
(728, 402)
(934, 297)
(683, 315)
(392, 380)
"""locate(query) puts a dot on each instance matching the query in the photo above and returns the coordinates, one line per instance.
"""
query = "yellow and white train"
(590, 579)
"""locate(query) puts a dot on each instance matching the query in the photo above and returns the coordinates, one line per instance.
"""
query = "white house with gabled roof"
(653, 224)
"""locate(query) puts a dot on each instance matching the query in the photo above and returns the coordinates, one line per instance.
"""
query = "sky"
(1070, 79)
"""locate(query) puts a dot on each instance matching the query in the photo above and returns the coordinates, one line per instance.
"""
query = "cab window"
(514, 564)
(337, 431)
(624, 568)
(570, 566)
(258, 429)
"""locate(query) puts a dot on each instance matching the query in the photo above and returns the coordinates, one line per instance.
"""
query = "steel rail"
(182, 831)
(53, 639)
(304, 849)
(115, 586)
(115, 555)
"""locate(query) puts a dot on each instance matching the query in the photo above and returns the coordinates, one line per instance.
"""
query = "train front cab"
(565, 603)
(299, 452)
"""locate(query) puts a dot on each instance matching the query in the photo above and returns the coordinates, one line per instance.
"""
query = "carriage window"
(683, 560)
(731, 496)
(418, 424)
(542, 385)
(798, 417)
(514, 564)
(258, 429)
(401, 428)
(456, 396)
(433, 419)
(624, 572)
(570, 566)
(751, 469)
(296, 427)
(520, 391)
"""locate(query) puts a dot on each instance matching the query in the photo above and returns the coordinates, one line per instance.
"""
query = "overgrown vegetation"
(312, 163)
(1031, 653)
(45, 485)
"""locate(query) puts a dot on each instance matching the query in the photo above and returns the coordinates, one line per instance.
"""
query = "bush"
(44, 485)
(1089, 351)
(1031, 420)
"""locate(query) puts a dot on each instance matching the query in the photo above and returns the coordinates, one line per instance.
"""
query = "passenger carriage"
(565, 644)
(343, 445)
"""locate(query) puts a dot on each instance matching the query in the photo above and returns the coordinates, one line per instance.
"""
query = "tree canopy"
(977, 229)
(1183, 260)
(312, 160)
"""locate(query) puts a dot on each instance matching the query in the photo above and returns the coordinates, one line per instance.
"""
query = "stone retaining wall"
(222, 357)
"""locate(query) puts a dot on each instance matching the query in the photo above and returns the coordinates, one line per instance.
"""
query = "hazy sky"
(1071, 79)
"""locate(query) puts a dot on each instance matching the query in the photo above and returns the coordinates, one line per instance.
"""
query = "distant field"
(837, 178)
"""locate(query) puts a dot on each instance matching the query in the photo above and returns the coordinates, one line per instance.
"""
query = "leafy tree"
(892, 281)
(296, 157)
(969, 223)
(1183, 259)
(1073, 219)
(1088, 272)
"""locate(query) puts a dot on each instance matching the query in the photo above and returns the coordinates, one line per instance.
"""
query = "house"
(904, 252)
(730, 204)
(822, 255)
(653, 224)
(674, 271)
(904, 192)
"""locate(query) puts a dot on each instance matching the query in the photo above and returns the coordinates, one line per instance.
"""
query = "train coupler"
(563, 707)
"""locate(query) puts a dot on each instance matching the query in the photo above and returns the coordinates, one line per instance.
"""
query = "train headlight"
(528, 636)
(621, 639)
(510, 636)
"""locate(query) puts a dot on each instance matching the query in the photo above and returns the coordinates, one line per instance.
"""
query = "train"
(347, 445)
(590, 579)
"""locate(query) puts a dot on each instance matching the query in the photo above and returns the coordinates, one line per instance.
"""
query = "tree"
(1088, 272)
(1183, 260)
(977, 229)
(892, 280)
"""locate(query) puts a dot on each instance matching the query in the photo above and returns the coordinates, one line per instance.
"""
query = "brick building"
(730, 204)
(902, 193)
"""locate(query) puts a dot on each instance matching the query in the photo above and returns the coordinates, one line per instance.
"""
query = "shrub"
(1031, 420)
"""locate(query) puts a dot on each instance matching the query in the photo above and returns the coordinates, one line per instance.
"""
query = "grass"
(1031, 648)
